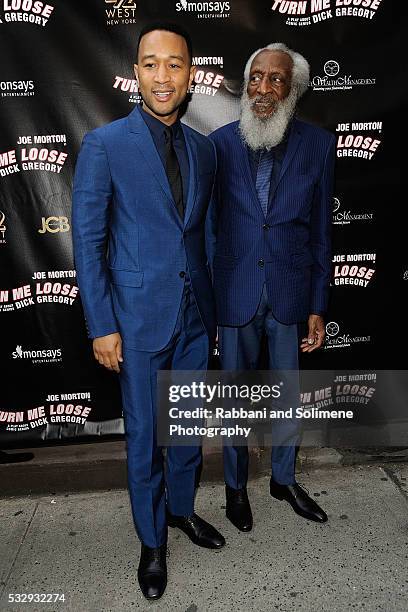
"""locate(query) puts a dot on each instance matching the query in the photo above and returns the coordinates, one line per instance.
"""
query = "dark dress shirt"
(156, 128)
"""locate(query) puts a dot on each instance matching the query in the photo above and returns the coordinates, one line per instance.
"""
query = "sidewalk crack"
(7, 577)
(394, 478)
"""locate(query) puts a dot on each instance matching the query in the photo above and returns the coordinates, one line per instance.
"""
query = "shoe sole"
(155, 598)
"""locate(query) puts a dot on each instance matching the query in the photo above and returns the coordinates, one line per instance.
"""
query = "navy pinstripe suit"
(270, 273)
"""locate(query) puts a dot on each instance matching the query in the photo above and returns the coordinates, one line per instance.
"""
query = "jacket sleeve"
(92, 192)
(321, 224)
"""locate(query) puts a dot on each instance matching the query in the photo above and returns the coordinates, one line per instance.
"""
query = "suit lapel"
(192, 153)
(293, 143)
(246, 169)
(148, 150)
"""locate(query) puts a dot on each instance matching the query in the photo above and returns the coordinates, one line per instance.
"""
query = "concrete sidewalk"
(84, 545)
(101, 465)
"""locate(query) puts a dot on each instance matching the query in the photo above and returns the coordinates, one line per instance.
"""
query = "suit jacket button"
(182, 274)
(266, 226)
(261, 263)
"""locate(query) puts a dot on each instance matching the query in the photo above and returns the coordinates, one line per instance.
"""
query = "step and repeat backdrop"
(66, 68)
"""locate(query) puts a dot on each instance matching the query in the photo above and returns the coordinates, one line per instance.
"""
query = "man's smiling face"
(164, 73)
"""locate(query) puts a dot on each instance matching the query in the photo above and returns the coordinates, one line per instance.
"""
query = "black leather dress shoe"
(300, 501)
(152, 572)
(238, 509)
(199, 531)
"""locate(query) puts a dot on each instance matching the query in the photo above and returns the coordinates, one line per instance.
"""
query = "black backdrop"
(67, 68)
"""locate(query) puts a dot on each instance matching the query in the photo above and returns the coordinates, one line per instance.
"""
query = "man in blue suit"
(142, 188)
(271, 221)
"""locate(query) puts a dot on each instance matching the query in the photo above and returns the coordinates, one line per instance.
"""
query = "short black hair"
(166, 26)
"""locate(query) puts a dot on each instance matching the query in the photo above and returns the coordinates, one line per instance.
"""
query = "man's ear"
(136, 71)
(193, 71)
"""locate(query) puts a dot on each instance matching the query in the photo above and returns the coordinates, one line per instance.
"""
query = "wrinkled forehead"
(269, 60)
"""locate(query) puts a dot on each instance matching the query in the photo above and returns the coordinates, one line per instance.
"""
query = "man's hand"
(108, 351)
(315, 336)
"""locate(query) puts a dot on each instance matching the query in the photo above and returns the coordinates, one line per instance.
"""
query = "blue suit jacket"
(130, 243)
(290, 249)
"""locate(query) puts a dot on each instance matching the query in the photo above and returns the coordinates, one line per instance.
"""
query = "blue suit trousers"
(154, 480)
(240, 349)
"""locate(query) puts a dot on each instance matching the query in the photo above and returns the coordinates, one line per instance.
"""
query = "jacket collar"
(294, 138)
(144, 141)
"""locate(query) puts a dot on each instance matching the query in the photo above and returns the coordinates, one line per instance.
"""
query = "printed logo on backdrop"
(61, 408)
(346, 217)
(206, 81)
(54, 225)
(28, 11)
(345, 389)
(2, 228)
(208, 60)
(205, 10)
(128, 86)
(120, 12)
(38, 157)
(405, 275)
(354, 141)
(337, 338)
(13, 89)
(353, 269)
(308, 12)
(38, 355)
(333, 78)
(40, 291)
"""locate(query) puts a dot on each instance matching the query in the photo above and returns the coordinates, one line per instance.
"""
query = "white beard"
(265, 133)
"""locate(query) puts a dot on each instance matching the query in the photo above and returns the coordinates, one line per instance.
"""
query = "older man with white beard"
(271, 253)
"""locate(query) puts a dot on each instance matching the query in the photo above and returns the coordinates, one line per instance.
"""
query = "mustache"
(266, 99)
